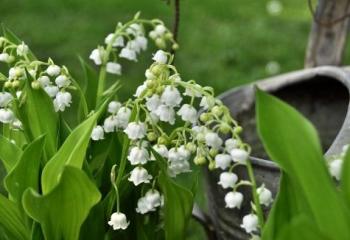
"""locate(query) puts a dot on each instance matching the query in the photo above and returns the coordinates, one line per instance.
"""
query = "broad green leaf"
(9, 153)
(178, 203)
(71, 153)
(11, 220)
(292, 142)
(62, 211)
(26, 172)
(39, 117)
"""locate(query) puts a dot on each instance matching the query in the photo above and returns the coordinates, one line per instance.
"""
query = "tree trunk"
(327, 38)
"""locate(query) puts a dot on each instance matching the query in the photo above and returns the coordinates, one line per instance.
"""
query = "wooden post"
(327, 38)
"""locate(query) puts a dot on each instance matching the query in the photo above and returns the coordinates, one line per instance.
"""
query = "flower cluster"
(181, 121)
(55, 80)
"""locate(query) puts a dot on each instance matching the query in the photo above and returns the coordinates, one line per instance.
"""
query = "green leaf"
(292, 142)
(39, 117)
(90, 82)
(178, 203)
(11, 220)
(345, 177)
(62, 212)
(71, 153)
(9, 153)
(26, 172)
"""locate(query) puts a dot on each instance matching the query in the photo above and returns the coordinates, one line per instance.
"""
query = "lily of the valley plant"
(79, 164)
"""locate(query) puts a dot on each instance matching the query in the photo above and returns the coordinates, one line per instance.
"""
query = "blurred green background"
(223, 43)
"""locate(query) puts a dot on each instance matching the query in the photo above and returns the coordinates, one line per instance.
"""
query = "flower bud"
(213, 152)
(191, 147)
(160, 89)
(16, 84)
(199, 160)
(151, 136)
(175, 46)
(217, 111)
(35, 85)
(169, 35)
(150, 84)
(8, 84)
(225, 128)
(160, 43)
(157, 69)
(163, 140)
(205, 117)
(211, 165)
(238, 130)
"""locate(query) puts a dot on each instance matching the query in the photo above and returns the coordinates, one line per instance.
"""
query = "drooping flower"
(97, 56)
(188, 113)
(114, 106)
(213, 140)
(250, 223)
(234, 200)
(165, 114)
(22, 49)
(123, 117)
(139, 175)
(160, 57)
(4, 57)
(110, 124)
(53, 70)
(231, 144)
(62, 81)
(114, 68)
(140, 89)
(136, 130)
(143, 206)
(161, 150)
(62, 100)
(6, 115)
(138, 155)
(44, 81)
(51, 90)
(171, 96)
(118, 221)
(154, 198)
(223, 161)
(335, 168)
(118, 42)
(97, 133)
(265, 196)
(239, 155)
(227, 179)
(207, 102)
(5, 99)
(177, 167)
(128, 54)
(153, 102)
(142, 42)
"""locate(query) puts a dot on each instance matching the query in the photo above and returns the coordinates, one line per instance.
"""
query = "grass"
(224, 43)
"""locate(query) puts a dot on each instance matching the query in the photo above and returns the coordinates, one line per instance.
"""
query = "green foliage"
(307, 190)
(9, 153)
(63, 210)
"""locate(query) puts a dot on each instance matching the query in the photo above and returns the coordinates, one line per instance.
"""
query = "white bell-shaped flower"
(22, 49)
(171, 96)
(231, 144)
(173, 155)
(177, 167)
(97, 133)
(234, 200)
(143, 206)
(160, 57)
(5, 99)
(4, 57)
(335, 168)
(139, 175)
(118, 41)
(227, 179)
(239, 155)
(165, 114)
(53, 70)
(110, 124)
(188, 113)
(135, 29)
(128, 54)
(62, 100)
(97, 56)
(17, 124)
(184, 153)
(207, 102)
(213, 140)
(140, 90)
(138, 155)
(136, 130)
(114, 106)
(114, 68)
(153, 197)
(222, 161)
(44, 81)
(162, 150)
(250, 223)
(265, 196)
(123, 117)
(62, 81)
(142, 42)
(153, 102)
(51, 90)
(118, 221)
(6, 115)
(160, 30)
(149, 74)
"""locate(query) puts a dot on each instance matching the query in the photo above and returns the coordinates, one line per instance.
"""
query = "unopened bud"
(204, 117)
(16, 84)
(8, 84)
(191, 147)
(151, 136)
(160, 43)
(199, 160)
(224, 128)
(238, 130)
(213, 152)
(216, 110)
(211, 165)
